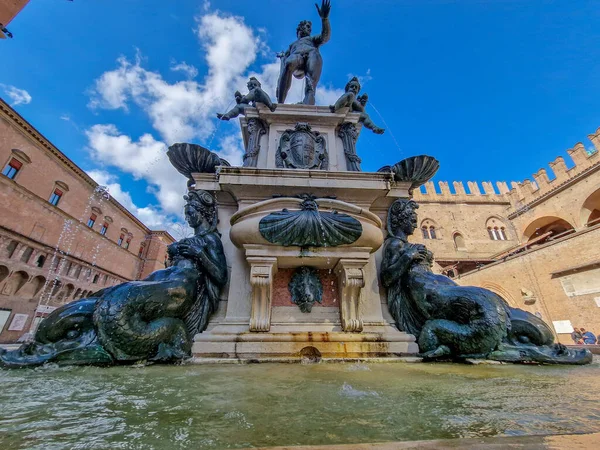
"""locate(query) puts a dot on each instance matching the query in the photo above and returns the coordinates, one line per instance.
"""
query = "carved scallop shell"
(310, 228)
(416, 169)
(193, 158)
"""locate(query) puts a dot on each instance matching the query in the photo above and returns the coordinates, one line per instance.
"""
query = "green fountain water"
(213, 407)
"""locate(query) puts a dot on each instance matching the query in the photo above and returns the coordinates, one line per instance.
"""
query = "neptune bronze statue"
(154, 319)
(458, 322)
(303, 59)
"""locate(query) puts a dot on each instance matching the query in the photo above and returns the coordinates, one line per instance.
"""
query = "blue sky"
(495, 89)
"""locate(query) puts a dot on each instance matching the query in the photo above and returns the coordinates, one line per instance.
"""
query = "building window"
(459, 242)
(26, 255)
(429, 232)
(55, 197)
(40, 261)
(503, 234)
(92, 221)
(127, 242)
(12, 168)
(95, 279)
(104, 228)
(432, 232)
(120, 241)
(141, 252)
(11, 248)
(497, 234)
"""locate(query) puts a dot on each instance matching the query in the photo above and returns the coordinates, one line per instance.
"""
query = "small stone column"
(262, 271)
(350, 284)
(349, 134)
(256, 128)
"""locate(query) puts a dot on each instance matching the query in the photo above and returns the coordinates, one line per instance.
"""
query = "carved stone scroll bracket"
(262, 271)
(256, 129)
(350, 283)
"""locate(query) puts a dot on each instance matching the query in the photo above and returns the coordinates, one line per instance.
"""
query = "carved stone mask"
(306, 288)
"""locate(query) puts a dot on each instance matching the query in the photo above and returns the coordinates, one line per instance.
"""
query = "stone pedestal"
(254, 322)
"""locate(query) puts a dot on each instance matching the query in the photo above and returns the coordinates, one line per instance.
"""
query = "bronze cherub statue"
(356, 103)
(255, 95)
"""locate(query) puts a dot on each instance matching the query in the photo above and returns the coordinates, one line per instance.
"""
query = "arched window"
(459, 242)
(432, 232)
(425, 232)
(428, 228)
(496, 229)
(95, 279)
(40, 261)
(503, 234)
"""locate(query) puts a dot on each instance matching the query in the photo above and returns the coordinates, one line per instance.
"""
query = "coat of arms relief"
(302, 148)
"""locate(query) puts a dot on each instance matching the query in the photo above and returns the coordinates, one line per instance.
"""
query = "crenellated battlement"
(528, 191)
(519, 194)
(472, 193)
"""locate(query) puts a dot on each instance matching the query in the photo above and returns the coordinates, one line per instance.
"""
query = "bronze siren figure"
(303, 59)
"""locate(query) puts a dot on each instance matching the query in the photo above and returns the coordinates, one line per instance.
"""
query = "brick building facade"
(8, 10)
(62, 236)
(536, 244)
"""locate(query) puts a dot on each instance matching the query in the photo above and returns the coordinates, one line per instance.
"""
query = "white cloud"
(189, 70)
(184, 111)
(149, 215)
(16, 95)
(145, 159)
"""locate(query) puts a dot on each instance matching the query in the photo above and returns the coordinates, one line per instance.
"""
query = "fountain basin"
(256, 405)
(245, 224)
